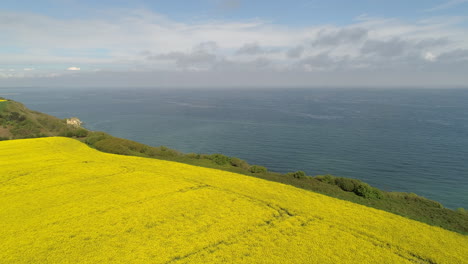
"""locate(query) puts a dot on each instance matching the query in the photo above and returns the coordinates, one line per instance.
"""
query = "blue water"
(411, 140)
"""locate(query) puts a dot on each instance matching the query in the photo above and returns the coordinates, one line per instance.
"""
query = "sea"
(406, 140)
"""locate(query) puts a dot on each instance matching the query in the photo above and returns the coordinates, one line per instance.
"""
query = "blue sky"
(282, 12)
(262, 42)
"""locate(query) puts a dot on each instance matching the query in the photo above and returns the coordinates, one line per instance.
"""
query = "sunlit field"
(62, 202)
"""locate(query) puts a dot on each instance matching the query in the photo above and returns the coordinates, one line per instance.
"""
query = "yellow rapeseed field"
(2, 100)
(62, 202)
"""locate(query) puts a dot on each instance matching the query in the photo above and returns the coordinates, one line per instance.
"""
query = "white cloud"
(120, 38)
(28, 69)
(429, 56)
(140, 40)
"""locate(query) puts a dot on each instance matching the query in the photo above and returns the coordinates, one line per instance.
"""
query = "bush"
(151, 152)
(193, 155)
(462, 211)
(347, 184)
(81, 132)
(113, 145)
(94, 137)
(15, 116)
(107, 143)
(219, 159)
(416, 198)
(257, 169)
(167, 152)
(352, 185)
(330, 179)
(366, 191)
(236, 162)
(25, 129)
(74, 132)
(297, 174)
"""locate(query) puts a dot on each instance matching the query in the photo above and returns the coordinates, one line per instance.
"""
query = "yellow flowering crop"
(2, 100)
(62, 202)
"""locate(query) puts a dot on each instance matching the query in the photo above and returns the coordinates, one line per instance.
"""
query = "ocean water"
(411, 140)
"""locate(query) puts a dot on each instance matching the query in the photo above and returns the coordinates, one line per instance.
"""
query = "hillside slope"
(63, 202)
(17, 121)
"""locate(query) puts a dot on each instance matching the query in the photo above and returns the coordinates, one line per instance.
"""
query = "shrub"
(462, 211)
(112, 145)
(352, 185)
(297, 174)
(419, 199)
(330, 179)
(51, 123)
(366, 191)
(347, 184)
(74, 132)
(193, 155)
(236, 162)
(219, 159)
(257, 169)
(15, 116)
(81, 132)
(94, 137)
(167, 152)
(151, 152)
(25, 129)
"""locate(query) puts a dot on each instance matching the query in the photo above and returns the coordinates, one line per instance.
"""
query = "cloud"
(446, 5)
(385, 48)
(431, 42)
(251, 49)
(396, 46)
(73, 69)
(323, 62)
(331, 37)
(207, 46)
(458, 55)
(197, 60)
(254, 65)
(144, 41)
(295, 52)
(429, 56)
(201, 57)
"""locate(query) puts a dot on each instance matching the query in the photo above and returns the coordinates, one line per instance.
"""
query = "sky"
(234, 43)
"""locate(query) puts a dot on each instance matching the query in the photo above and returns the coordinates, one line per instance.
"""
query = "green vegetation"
(257, 169)
(297, 174)
(3, 104)
(16, 122)
(351, 185)
(19, 122)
